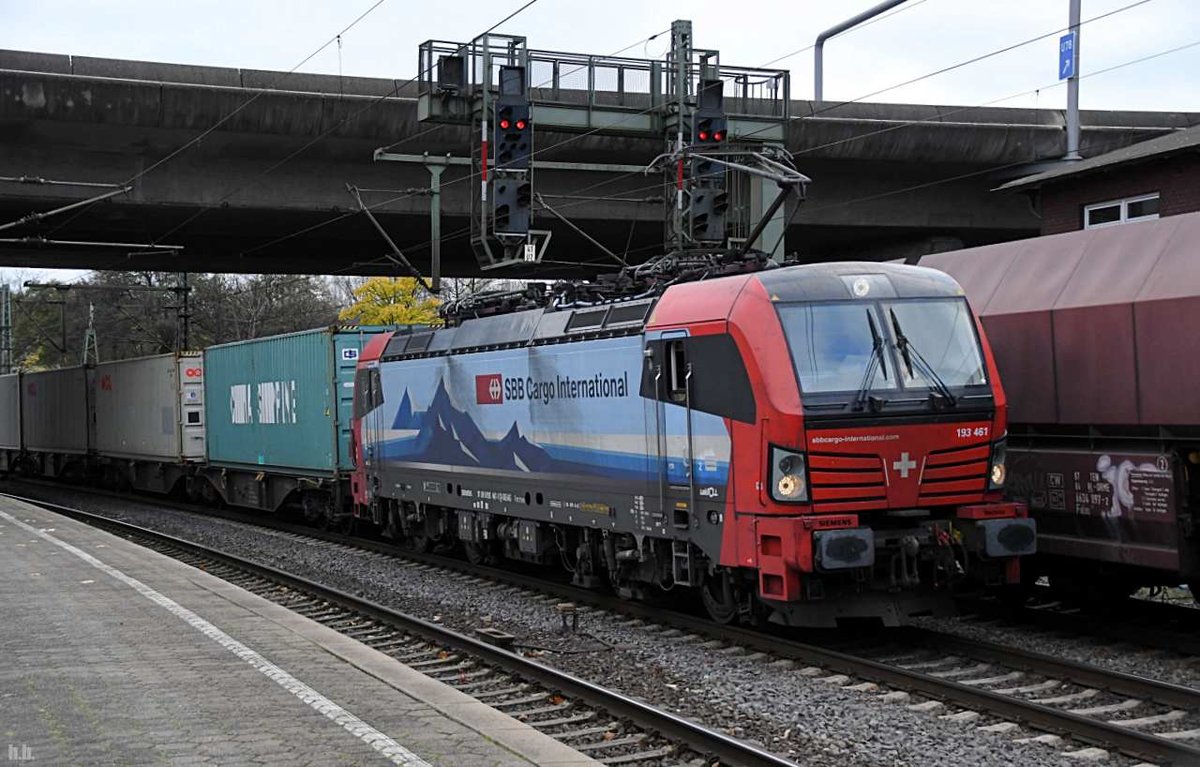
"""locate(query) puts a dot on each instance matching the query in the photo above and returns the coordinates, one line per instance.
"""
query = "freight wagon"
(56, 422)
(10, 419)
(809, 443)
(149, 420)
(278, 418)
(261, 424)
(131, 423)
(1095, 334)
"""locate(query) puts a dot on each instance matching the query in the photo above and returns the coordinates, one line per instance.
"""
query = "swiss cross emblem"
(904, 465)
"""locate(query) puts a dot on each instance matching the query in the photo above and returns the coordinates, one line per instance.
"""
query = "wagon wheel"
(476, 552)
(419, 542)
(391, 526)
(343, 524)
(719, 598)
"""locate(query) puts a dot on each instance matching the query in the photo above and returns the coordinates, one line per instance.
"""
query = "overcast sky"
(922, 37)
(919, 38)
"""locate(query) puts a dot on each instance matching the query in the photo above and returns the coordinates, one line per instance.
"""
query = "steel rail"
(1085, 674)
(695, 735)
(1151, 628)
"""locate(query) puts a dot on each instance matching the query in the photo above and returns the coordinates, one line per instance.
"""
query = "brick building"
(1160, 177)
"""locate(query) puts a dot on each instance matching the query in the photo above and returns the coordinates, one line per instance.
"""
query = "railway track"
(601, 723)
(962, 680)
(1164, 626)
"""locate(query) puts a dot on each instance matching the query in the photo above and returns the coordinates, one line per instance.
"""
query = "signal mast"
(726, 174)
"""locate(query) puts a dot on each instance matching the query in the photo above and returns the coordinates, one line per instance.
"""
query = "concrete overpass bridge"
(266, 191)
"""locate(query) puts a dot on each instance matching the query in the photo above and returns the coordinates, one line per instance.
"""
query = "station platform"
(114, 654)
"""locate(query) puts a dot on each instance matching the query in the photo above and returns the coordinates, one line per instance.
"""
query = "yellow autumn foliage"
(391, 301)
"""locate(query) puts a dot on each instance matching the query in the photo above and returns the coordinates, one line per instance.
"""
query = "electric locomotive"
(804, 444)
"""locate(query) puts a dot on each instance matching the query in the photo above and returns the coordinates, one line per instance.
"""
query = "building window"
(1142, 208)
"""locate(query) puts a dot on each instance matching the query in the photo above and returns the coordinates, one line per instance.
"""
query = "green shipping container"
(284, 403)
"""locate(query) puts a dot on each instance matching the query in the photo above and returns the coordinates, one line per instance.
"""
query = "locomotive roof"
(834, 281)
(807, 282)
(526, 327)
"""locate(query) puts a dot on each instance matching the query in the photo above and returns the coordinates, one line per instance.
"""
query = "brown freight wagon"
(1097, 338)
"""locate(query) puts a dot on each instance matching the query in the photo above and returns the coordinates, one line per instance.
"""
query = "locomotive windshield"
(942, 331)
(832, 344)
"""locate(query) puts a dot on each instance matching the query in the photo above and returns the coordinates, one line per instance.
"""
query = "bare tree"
(140, 313)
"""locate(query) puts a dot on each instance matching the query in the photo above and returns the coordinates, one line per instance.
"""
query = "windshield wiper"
(909, 353)
(877, 363)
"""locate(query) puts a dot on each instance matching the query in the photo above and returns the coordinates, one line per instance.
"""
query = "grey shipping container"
(150, 408)
(284, 403)
(10, 411)
(55, 410)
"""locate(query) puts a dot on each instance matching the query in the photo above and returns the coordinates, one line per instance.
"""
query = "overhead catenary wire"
(577, 137)
(942, 115)
(1116, 143)
(396, 87)
(818, 206)
(470, 177)
(324, 134)
(1104, 147)
(959, 65)
(237, 110)
(458, 234)
(393, 200)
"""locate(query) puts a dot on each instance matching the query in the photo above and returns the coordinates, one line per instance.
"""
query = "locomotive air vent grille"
(624, 313)
(839, 479)
(588, 318)
(951, 473)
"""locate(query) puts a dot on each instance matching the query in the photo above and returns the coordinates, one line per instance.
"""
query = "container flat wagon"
(149, 420)
(278, 418)
(1095, 336)
(57, 429)
(10, 420)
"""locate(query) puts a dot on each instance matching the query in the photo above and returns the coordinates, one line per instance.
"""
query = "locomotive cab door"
(670, 380)
(368, 405)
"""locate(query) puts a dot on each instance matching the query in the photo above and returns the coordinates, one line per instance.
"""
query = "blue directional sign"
(1066, 56)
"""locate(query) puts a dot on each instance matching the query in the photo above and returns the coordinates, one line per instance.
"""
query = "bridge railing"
(574, 80)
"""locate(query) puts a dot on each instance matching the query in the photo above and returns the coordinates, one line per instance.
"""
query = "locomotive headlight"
(999, 471)
(789, 481)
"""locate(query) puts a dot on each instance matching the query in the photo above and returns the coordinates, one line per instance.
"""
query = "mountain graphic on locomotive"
(807, 443)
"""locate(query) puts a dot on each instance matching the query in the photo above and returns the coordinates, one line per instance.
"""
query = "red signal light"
(504, 124)
(704, 135)
(521, 124)
(718, 136)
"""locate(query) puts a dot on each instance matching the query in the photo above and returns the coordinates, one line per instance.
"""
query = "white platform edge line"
(382, 743)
